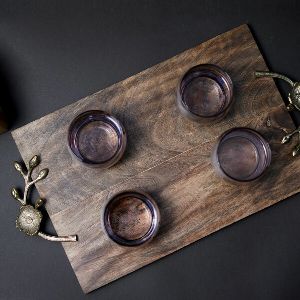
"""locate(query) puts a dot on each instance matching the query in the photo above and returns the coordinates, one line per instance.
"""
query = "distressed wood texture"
(167, 156)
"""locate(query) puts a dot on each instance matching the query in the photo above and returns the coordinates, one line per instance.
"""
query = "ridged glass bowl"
(241, 155)
(131, 218)
(97, 139)
(205, 93)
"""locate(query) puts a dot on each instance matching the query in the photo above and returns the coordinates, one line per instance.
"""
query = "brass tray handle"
(30, 217)
(293, 99)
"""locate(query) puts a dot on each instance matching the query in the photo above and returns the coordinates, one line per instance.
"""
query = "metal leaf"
(296, 150)
(38, 203)
(15, 194)
(286, 139)
(34, 162)
(42, 174)
(18, 167)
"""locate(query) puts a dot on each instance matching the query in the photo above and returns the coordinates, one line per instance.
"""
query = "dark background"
(55, 52)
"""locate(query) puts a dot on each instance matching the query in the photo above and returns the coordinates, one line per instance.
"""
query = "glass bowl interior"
(131, 218)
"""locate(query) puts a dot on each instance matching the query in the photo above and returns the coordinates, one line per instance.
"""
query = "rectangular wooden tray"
(167, 156)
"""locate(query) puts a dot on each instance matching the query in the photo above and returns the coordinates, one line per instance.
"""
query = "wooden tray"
(167, 156)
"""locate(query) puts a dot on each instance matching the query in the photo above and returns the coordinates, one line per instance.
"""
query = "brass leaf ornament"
(30, 217)
(294, 103)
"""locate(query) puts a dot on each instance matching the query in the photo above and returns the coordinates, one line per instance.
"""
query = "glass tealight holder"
(205, 93)
(131, 218)
(97, 139)
(241, 155)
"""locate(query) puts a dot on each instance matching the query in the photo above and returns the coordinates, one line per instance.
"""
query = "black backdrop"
(55, 52)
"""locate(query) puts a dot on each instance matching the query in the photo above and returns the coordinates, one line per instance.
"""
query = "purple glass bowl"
(131, 218)
(205, 93)
(97, 139)
(241, 155)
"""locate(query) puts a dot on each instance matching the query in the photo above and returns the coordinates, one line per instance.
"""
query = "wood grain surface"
(167, 156)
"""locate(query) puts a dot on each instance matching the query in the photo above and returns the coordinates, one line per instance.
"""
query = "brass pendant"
(294, 103)
(30, 217)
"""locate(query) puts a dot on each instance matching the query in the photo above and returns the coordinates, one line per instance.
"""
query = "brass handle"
(259, 74)
(30, 216)
(52, 238)
(294, 102)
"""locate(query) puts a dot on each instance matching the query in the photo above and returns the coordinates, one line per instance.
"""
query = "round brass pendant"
(29, 220)
(295, 95)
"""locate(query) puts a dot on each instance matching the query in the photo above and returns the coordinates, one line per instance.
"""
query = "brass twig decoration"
(294, 95)
(288, 137)
(294, 103)
(30, 217)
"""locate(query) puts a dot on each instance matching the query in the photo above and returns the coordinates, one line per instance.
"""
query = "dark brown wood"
(167, 156)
